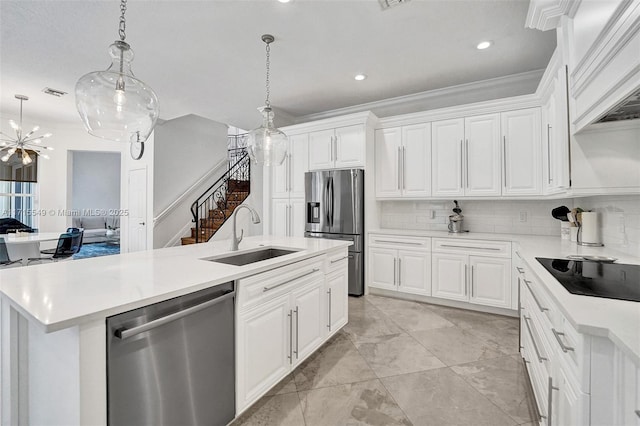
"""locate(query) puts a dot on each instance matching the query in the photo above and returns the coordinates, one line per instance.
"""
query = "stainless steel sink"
(254, 256)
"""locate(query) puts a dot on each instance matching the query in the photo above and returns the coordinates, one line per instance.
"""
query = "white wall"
(186, 148)
(95, 181)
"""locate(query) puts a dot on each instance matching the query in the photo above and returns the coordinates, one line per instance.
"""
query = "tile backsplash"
(619, 217)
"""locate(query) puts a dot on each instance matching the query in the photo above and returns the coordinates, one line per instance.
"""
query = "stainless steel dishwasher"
(173, 362)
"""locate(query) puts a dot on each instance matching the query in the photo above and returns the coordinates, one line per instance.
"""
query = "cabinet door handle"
(399, 272)
(472, 281)
(329, 324)
(550, 179)
(504, 159)
(397, 242)
(533, 340)
(267, 288)
(395, 271)
(338, 260)
(289, 171)
(466, 281)
(470, 247)
(542, 309)
(399, 168)
(404, 168)
(335, 148)
(564, 347)
(550, 401)
(461, 162)
(297, 312)
(467, 162)
(290, 315)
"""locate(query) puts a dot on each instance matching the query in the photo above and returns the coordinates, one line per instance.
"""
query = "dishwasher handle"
(124, 333)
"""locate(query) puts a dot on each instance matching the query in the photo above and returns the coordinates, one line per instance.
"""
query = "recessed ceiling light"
(360, 77)
(284, 1)
(483, 45)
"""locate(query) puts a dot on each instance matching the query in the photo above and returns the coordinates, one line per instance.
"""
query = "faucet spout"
(255, 218)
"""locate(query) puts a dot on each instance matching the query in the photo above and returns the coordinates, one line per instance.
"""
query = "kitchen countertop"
(68, 293)
(618, 320)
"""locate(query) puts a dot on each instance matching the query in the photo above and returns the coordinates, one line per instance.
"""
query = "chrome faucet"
(255, 218)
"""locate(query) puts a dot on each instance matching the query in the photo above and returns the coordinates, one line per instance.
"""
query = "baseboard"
(176, 239)
(443, 302)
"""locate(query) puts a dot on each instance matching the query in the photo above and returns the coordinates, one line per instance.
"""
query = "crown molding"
(366, 118)
(439, 98)
(545, 15)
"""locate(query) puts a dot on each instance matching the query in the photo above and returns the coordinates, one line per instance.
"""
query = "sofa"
(98, 229)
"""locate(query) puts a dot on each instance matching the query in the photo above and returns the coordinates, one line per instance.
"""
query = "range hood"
(628, 109)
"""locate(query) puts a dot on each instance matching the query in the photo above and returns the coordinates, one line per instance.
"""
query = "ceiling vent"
(386, 4)
(629, 109)
(54, 92)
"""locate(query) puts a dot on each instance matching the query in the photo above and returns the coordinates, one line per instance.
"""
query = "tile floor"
(406, 363)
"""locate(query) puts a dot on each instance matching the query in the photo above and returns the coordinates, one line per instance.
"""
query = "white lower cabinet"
(400, 264)
(337, 309)
(461, 274)
(283, 317)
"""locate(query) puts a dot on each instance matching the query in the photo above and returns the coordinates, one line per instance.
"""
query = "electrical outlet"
(523, 216)
(432, 214)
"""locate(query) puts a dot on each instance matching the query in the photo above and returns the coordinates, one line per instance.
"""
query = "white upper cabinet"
(288, 177)
(402, 161)
(521, 148)
(447, 157)
(482, 155)
(339, 148)
(416, 158)
(321, 146)
(388, 143)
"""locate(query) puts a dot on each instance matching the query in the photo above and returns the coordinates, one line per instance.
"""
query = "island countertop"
(64, 294)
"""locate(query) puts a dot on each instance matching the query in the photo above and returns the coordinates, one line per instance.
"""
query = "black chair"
(4, 255)
(78, 235)
(64, 249)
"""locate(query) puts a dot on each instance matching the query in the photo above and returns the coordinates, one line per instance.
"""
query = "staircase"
(212, 209)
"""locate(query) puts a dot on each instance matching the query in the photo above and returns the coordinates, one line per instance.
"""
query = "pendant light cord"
(266, 102)
(20, 130)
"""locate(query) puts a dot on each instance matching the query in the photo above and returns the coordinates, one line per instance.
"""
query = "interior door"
(137, 231)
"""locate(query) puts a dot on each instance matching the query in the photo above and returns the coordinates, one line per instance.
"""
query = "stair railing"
(216, 196)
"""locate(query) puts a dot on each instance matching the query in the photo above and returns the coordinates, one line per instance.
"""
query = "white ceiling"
(206, 57)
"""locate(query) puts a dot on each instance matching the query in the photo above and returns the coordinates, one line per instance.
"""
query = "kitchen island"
(53, 317)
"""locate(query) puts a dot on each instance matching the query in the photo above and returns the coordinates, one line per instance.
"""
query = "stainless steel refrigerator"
(334, 209)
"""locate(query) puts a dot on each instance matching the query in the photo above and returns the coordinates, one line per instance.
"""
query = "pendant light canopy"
(23, 142)
(114, 104)
(267, 145)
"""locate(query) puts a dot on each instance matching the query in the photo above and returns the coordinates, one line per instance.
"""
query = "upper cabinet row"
(340, 148)
(486, 155)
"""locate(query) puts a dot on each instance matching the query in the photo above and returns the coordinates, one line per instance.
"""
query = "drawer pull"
(341, 259)
(533, 340)
(562, 345)
(550, 401)
(520, 270)
(398, 242)
(471, 247)
(542, 309)
(267, 288)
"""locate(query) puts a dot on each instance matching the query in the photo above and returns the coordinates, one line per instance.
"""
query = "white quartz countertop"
(619, 320)
(64, 294)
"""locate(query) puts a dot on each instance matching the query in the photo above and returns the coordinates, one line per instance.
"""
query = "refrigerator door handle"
(325, 198)
(331, 201)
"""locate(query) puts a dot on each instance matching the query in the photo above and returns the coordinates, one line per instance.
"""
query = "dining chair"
(4, 255)
(81, 231)
(76, 244)
(64, 249)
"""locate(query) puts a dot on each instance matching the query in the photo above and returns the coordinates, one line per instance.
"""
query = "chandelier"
(114, 104)
(267, 145)
(22, 142)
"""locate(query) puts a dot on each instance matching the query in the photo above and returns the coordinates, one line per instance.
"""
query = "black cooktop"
(610, 280)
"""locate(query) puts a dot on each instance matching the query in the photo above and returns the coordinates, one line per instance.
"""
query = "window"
(17, 200)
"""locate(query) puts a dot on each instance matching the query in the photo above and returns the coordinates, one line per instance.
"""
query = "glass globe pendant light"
(114, 104)
(267, 145)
